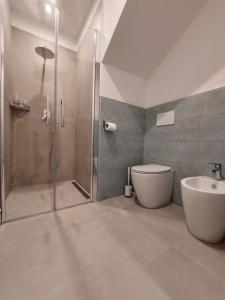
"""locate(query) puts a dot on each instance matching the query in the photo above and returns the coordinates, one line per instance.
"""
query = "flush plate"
(166, 118)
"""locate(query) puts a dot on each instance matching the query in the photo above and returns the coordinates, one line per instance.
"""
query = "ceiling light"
(48, 8)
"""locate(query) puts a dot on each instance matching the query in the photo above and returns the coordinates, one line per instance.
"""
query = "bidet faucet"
(217, 171)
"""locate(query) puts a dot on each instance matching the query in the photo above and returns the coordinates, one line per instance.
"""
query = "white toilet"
(153, 184)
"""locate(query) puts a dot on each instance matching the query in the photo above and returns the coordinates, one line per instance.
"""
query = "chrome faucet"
(217, 171)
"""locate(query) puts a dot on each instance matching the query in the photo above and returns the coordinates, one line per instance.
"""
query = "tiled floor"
(35, 199)
(113, 250)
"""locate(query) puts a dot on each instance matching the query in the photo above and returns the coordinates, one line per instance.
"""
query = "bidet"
(204, 207)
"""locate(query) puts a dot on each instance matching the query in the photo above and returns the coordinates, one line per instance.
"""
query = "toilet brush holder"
(128, 191)
(128, 188)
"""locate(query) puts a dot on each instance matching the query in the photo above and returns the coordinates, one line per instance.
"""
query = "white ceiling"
(147, 31)
(75, 15)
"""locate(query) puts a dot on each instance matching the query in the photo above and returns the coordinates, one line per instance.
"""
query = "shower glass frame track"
(2, 106)
(95, 118)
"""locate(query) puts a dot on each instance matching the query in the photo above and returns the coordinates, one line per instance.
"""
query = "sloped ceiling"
(31, 16)
(147, 31)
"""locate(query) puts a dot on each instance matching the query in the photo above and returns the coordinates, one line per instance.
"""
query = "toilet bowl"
(153, 184)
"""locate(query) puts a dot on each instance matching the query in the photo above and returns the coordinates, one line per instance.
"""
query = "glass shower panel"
(76, 51)
(29, 30)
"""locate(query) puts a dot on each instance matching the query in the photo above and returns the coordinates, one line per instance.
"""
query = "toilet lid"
(150, 169)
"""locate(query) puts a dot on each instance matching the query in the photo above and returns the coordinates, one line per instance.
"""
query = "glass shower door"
(76, 52)
(47, 109)
(29, 92)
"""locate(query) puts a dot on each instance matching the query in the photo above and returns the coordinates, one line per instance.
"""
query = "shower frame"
(2, 152)
(95, 116)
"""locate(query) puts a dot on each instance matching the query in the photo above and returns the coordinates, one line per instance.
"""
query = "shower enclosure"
(48, 93)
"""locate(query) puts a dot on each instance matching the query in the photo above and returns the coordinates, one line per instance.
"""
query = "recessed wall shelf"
(19, 107)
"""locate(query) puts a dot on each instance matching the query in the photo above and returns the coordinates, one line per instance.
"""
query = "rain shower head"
(44, 52)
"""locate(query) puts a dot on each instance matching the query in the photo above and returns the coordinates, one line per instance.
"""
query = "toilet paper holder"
(109, 126)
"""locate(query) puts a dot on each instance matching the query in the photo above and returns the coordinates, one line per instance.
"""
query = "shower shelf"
(19, 107)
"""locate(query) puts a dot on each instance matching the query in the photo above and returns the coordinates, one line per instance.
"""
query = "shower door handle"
(48, 111)
(62, 113)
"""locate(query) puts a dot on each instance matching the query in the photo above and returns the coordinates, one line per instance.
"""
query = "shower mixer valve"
(46, 115)
(46, 112)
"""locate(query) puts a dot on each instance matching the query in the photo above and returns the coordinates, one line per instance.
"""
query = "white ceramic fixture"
(204, 207)
(153, 184)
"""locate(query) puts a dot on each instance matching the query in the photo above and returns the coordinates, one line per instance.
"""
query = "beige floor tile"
(26, 228)
(140, 286)
(35, 199)
(68, 195)
(118, 202)
(171, 276)
(209, 257)
(180, 278)
(110, 250)
(167, 222)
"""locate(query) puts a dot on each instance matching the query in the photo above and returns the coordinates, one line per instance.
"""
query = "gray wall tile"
(213, 102)
(213, 128)
(186, 108)
(120, 149)
(212, 152)
(196, 138)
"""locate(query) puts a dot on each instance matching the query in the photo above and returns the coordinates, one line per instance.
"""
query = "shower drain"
(80, 190)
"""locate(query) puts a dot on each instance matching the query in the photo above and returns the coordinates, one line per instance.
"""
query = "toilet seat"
(150, 169)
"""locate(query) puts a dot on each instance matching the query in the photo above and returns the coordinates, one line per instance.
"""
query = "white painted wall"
(197, 62)
(111, 12)
(30, 19)
(122, 86)
(114, 83)
(93, 22)
(147, 31)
